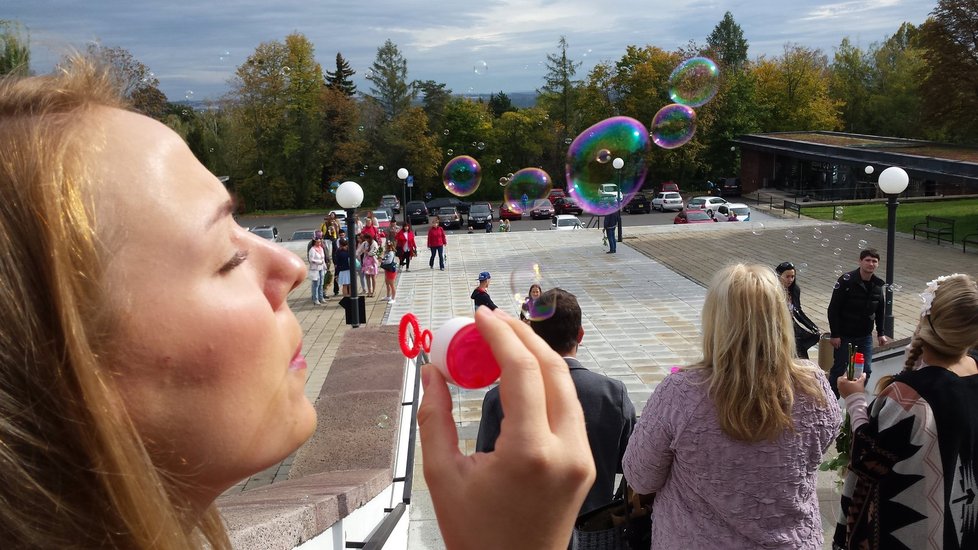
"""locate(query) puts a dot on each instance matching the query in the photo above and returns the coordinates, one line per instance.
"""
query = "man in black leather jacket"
(856, 306)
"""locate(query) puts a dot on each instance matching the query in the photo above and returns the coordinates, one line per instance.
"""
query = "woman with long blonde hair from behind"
(731, 444)
(911, 480)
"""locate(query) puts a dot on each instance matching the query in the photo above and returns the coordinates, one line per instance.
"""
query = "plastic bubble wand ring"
(457, 350)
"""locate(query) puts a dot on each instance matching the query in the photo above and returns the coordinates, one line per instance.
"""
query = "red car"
(506, 214)
(555, 194)
(670, 186)
(693, 216)
(567, 205)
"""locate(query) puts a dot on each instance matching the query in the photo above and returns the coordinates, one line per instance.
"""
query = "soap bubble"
(838, 211)
(694, 81)
(519, 285)
(862, 244)
(446, 131)
(846, 276)
(568, 141)
(286, 71)
(498, 161)
(847, 237)
(757, 228)
(789, 234)
(817, 231)
(481, 68)
(526, 186)
(188, 95)
(597, 186)
(837, 252)
(333, 187)
(503, 181)
(868, 227)
(673, 126)
(383, 421)
(480, 146)
(462, 175)
(450, 152)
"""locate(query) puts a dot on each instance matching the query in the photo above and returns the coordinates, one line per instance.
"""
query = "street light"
(892, 181)
(261, 183)
(349, 195)
(402, 174)
(617, 164)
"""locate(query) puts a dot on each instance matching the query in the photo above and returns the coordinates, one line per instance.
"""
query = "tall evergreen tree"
(15, 53)
(434, 97)
(340, 78)
(499, 104)
(951, 51)
(388, 74)
(728, 43)
(559, 88)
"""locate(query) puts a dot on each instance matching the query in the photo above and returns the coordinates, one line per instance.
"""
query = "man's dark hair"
(560, 330)
(871, 252)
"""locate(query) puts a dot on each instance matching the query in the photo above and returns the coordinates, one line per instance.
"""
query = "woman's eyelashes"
(236, 260)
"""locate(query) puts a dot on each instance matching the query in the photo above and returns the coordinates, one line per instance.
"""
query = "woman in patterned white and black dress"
(912, 480)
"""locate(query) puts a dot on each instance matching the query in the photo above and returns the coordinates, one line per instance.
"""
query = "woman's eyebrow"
(223, 211)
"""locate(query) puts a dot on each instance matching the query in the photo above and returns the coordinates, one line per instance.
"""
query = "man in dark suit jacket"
(608, 412)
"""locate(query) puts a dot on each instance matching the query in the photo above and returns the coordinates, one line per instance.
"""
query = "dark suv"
(639, 203)
(391, 201)
(461, 206)
(417, 212)
(479, 215)
(730, 187)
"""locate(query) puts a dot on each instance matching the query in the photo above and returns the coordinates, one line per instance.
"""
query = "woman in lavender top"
(731, 444)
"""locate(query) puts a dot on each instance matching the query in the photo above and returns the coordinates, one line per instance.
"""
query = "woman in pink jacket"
(436, 243)
(731, 445)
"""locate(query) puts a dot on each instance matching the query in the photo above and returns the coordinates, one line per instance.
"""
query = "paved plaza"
(641, 306)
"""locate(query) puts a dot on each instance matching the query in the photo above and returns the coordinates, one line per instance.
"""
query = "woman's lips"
(298, 361)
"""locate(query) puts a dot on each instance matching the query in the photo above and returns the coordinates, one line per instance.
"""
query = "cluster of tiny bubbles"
(520, 281)
(847, 237)
(694, 81)
(757, 228)
(588, 168)
(480, 146)
(862, 244)
(837, 252)
(481, 67)
(526, 186)
(868, 227)
(189, 94)
(673, 126)
(462, 175)
(383, 421)
(446, 131)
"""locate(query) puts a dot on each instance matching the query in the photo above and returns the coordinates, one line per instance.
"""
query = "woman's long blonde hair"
(749, 354)
(950, 329)
(75, 471)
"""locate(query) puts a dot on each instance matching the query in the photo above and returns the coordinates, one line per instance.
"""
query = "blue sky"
(196, 45)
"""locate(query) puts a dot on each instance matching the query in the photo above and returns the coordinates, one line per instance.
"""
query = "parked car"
(505, 213)
(667, 200)
(693, 216)
(340, 214)
(609, 191)
(303, 235)
(709, 204)
(670, 186)
(730, 187)
(541, 208)
(269, 232)
(556, 194)
(384, 218)
(417, 212)
(392, 202)
(565, 222)
(738, 209)
(567, 205)
(448, 217)
(639, 203)
(462, 206)
(480, 214)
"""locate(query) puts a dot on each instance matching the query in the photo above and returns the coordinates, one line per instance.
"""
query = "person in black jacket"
(806, 331)
(480, 296)
(857, 304)
(608, 411)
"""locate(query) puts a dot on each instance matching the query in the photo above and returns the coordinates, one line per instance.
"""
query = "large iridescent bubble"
(592, 180)
(694, 82)
(673, 126)
(462, 175)
(526, 186)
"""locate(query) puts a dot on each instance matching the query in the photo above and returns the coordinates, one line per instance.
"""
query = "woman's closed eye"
(236, 260)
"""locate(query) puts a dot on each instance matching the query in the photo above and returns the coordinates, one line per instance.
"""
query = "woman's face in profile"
(207, 352)
(787, 277)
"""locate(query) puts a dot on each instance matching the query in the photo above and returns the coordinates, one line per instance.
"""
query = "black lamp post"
(892, 181)
(261, 183)
(349, 195)
(617, 164)
(402, 174)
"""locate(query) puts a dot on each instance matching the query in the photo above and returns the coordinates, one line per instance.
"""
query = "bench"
(972, 238)
(937, 226)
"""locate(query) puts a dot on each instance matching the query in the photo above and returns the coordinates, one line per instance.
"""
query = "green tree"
(728, 44)
(595, 101)
(388, 75)
(731, 114)
(500, 103)
(434, 97)
(895, 103)
(641, 81)
(15, 52)
(302, 144)
(340, 78)
(559, 91)
(850, 86)
(951, 53)
(792, 91)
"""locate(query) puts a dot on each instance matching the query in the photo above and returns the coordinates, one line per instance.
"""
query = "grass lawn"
(965, 212)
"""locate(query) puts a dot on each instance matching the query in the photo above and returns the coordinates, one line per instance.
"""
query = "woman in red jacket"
(436, 243)
(406, 248)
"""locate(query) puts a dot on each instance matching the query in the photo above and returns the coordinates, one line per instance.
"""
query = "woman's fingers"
(439, 437)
